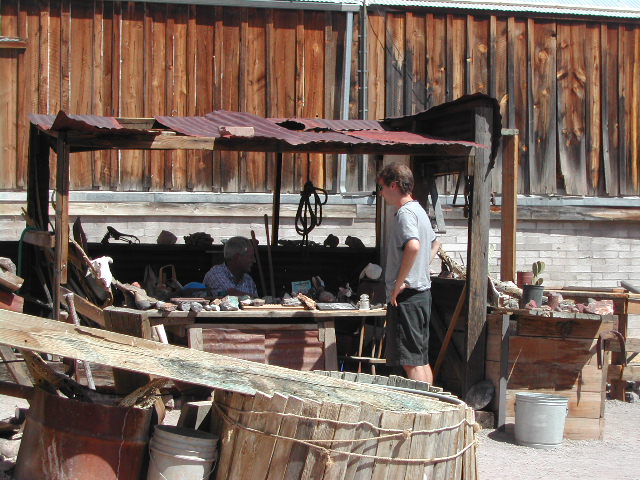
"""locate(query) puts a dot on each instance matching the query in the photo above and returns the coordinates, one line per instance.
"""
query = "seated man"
(232, 277)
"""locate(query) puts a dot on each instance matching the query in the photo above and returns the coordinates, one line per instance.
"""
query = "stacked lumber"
(554, 355)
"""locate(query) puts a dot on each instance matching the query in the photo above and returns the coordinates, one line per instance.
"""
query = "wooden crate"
(554, 355)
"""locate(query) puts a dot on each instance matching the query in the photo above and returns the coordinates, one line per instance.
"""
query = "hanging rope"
(309, 215)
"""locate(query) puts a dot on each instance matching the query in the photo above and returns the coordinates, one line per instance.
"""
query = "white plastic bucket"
(178, 453)
(540, 419)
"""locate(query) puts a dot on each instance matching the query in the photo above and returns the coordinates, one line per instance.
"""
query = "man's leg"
(421, 373)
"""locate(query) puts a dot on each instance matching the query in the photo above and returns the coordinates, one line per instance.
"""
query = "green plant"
(537, 268)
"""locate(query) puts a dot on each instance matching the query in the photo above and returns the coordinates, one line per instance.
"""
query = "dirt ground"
(615, 457)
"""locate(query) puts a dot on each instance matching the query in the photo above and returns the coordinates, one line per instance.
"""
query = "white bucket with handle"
(178, 453)
(540, 419)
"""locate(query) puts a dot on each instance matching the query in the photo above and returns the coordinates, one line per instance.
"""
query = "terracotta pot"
(524, 278)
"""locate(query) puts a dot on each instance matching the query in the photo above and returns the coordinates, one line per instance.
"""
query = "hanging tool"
(116, 235)
(74, 317)
(257, 255)
(309, 216)
(273, 283)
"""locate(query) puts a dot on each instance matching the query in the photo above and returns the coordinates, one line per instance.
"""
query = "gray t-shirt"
(410, 222)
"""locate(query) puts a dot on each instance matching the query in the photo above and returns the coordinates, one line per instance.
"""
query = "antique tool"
(116, 235)
(273, 283)
(257, 255)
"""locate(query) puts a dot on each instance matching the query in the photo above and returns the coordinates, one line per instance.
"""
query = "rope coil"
(309, 216)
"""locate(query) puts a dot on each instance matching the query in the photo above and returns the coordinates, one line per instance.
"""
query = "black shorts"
(407, 331)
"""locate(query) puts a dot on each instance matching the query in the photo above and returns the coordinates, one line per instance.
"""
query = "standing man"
(232, 277)
(411, 246)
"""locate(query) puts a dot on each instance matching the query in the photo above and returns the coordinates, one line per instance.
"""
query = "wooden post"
(501, 394)
(277, 186)
(509, 209)
(62, 221)
(478, 249)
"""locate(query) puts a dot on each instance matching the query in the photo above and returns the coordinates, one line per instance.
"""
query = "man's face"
(387, 192)
(245, 261)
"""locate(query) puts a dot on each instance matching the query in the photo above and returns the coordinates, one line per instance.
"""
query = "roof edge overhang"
(322, 5)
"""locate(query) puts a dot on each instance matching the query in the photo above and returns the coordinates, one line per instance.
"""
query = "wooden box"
(554, 355)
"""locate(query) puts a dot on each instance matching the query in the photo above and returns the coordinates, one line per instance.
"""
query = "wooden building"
(567, 80)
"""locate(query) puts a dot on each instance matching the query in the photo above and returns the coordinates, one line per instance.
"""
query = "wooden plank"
(558, 327)
(625, 108)
(229, 94)
(255, 94)
(86, 308)
(457, 64)
(11, 301)
(330, 345)
(376, 45)
(131, 323)
(306, 428)
(282, 448)
(314, 85)
(478, 66)
(345, 430)
(180, 80)
(610, 73)
(300, 160)
(99, 87)
(132, 90)
(476, 260)
(516, 77)
(543, 137)
(179, 363)
(498, 56)
(577, 428)
(509, 210)
(593, 102)
(629, 373)
(416, 57)
(81, 83)
(571, 76)
(264, 446)
(388, 421)
(8, 101)
(156, 86)
(15, 367)
(60, 270)
(395, 57)
(315, 462)
(584, 405)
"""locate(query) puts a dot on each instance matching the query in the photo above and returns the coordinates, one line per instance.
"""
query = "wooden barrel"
(274, 436)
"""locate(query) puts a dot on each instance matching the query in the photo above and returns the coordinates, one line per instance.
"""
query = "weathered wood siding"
(570, 87)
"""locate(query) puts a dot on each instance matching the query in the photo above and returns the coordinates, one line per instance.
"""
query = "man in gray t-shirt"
(411, 246)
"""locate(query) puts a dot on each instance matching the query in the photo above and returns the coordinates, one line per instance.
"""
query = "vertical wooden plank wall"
(571, 87)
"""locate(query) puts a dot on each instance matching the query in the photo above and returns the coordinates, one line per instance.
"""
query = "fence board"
(456, 55)
(543, 138)
(178, 49)
(627, 110)
(394, 64)
(479, 60)
(132, 88)
(517, 38)
(436, 60)
(571, 117)
(314, 85)
(80, 96)
(610, 128)
(376, 84)
(8, 101)
(416, 56)
(593, 131)
(498, 84)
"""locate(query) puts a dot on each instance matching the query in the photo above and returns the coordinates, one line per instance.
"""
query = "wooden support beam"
(86, 308)
(478, 251)
(509, 209)
(16, 368)
(193, 366)
(277, 187)
(62, 222)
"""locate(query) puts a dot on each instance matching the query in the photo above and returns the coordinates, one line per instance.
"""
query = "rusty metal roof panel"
(327, 124)
(390, 136)
(62, 121)
(192, 126)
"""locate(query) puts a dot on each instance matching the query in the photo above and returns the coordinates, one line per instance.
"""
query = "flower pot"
(532, 292)
(524, 278)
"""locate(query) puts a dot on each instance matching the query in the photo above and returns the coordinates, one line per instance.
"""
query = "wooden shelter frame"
(442, 159)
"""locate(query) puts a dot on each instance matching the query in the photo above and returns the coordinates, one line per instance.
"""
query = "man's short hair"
(236, 246)
(399, 173)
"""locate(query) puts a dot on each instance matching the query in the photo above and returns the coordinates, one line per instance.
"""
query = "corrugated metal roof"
(62, 121)
(599, 8)
(326, 124)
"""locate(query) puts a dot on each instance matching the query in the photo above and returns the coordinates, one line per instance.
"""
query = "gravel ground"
(615, 457)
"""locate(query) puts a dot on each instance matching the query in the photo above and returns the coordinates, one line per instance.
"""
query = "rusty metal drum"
(66, 439)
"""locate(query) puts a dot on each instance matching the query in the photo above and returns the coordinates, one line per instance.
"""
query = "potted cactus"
(535, 289)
